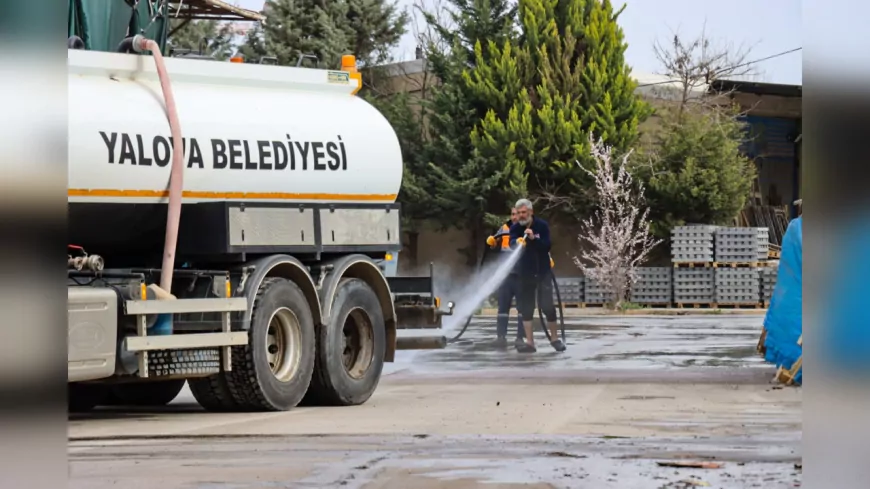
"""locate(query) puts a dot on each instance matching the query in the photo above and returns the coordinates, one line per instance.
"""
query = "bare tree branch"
(550, 196)
(694, 64)
(427, 35)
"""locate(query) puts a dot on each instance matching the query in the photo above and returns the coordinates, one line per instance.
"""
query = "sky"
(766, 27)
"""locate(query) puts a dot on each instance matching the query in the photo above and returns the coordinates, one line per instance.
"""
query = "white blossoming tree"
(616, 239)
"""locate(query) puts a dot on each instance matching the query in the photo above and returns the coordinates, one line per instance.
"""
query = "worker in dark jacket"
(536, 284)
(509, 289)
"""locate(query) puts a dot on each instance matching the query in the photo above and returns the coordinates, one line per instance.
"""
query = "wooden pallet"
(774, 255)
(702, 264)
(760, 347)
(695, 305)
(738, 305)
(717, 305)
(732, 264)
(654, 305)
(787, 376)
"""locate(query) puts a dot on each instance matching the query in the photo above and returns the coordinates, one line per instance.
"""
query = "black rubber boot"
(501, 342)
(558, 345)
(526, 348)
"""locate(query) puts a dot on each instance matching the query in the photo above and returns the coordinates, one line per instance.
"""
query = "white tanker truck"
(276, 288)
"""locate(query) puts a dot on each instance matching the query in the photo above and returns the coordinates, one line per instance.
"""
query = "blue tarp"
(844, 339)
(784, 317)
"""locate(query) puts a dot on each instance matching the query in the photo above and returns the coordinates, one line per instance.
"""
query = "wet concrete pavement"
(608, 342)
(628, 393)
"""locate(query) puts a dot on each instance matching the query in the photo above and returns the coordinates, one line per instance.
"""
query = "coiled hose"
(540, 310)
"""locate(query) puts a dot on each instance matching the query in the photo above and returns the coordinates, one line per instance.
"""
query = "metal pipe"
(126, 45)
(75, 42)
(104, 275)
(91, 262)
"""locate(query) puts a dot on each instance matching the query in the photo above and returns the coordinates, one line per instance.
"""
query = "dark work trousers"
(506, 293)
(536, 290)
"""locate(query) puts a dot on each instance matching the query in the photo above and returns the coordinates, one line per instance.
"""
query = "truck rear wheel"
(213, 393)
(150, 394)
(350, 349)
(273, 371)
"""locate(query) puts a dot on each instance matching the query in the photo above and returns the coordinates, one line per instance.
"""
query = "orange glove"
(490, 241)
(521, 241)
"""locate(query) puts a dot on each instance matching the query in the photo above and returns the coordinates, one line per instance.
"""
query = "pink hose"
(176, 176)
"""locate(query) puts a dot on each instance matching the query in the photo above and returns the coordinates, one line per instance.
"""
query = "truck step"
(199, 362)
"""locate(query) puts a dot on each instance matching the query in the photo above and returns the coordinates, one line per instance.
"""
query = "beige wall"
(441, 248)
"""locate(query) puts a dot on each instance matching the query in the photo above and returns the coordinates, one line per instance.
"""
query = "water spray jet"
(478, 293)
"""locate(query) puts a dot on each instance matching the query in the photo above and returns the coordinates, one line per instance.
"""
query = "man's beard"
(525, 222)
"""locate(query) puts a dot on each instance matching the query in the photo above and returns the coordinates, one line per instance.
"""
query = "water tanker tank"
(252, 133)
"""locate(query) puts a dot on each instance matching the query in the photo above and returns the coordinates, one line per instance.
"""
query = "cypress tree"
(206, 37)
(564, 78)
(373, 28)
(473, 187)
(327, 29)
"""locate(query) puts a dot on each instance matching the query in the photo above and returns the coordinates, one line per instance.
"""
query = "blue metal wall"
(771, 138)
(770, 143)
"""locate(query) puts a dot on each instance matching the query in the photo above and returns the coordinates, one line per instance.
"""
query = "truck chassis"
(293, 306)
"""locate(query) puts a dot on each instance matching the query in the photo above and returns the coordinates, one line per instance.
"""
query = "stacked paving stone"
(692, 244)
(763, 243)
(694, 286)
(596, 293)
(737, 285)
(736, 245)
(768, 280)
(570, 290)
(654, 286)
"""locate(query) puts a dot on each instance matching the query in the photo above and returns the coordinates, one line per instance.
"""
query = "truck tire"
(82, 398)
(350, 349)
(213, 393)
(273, 371)
(151, 394)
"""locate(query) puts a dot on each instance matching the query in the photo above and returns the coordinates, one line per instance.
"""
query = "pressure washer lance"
(501, 233)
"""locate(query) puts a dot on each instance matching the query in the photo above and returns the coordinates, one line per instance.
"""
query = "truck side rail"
(185, 306)
(141, 344)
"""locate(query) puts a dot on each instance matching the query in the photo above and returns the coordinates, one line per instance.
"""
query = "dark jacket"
(536, 259)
